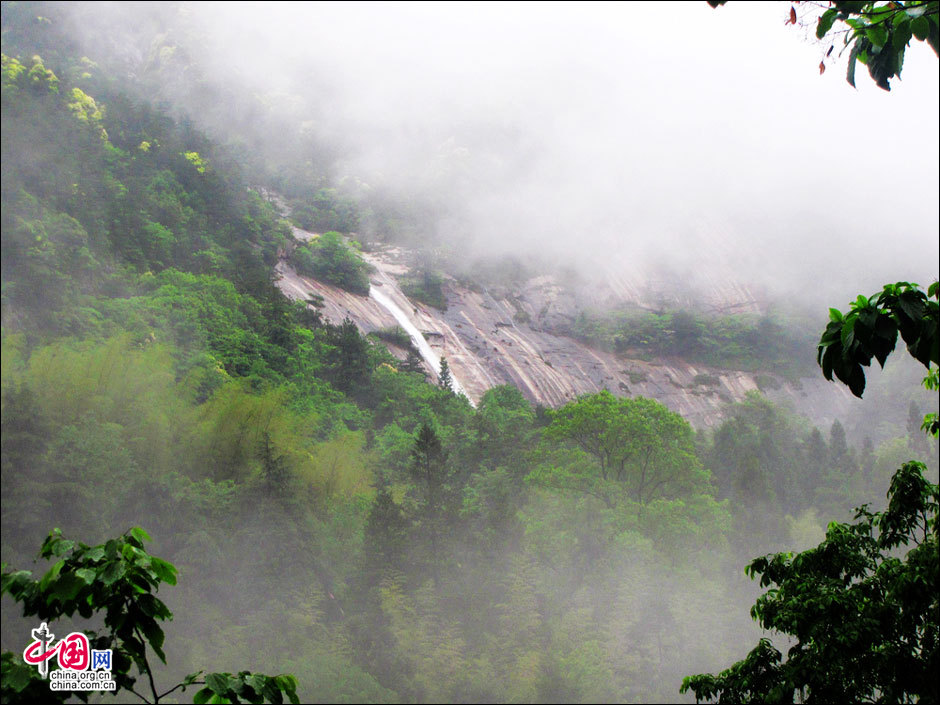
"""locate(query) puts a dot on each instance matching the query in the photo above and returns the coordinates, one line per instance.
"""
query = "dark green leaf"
(920, 28)
(154, 635)
(112, 572)
(901, 36)
(51, 575)
(877, 35)
(217, 682)
(825, 23)
(272, 691)
(68, 586)
(165, 570)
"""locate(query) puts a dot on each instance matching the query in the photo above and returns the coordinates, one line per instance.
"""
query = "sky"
(626, 136)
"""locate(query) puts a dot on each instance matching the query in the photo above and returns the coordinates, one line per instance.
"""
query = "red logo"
(73, 652)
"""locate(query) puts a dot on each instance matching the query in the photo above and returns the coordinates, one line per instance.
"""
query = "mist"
(699, 142)
(274, 454)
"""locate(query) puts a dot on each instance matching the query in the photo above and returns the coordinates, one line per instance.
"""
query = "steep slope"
(494, 338)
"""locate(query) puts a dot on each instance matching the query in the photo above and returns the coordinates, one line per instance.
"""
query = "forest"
(326, 513)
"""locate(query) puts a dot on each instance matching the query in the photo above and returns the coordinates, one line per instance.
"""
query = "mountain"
(521, 335)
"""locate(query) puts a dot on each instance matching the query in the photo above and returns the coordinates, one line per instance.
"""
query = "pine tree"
(429, 468)
(444, 379)
(412, 363)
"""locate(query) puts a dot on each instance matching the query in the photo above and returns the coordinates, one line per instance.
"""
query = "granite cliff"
(515, 335)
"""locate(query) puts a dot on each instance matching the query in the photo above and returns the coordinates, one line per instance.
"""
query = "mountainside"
(515, 335)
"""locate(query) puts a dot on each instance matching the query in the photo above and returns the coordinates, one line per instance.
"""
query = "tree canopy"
(877, 34)
(117, 580)
(637, 443)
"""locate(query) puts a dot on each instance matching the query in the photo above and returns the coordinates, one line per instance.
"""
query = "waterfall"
(424, 349)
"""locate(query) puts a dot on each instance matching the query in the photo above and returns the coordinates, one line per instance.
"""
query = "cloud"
(631, 135)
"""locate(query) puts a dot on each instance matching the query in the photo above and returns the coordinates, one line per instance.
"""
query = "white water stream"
(424, 349)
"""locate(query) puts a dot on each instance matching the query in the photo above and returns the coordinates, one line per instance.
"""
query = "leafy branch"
(870, 330)
(118, 578)
(878, 33)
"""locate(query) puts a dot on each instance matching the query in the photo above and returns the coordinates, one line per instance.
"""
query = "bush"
(330, 259)
(426, 287)
(394, 335)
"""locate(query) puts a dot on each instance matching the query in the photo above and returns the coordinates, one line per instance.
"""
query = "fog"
(632, 140)
(697, 140)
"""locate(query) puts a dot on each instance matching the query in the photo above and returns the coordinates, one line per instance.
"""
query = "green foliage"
(118, 579)
(870, 330)
(395, 335)
(637, 444)
(326, 210)
(330, 259)
(444, 378)
(425, 286)
(863, 606)
(744, 341)
(346, 521)
(864, 619)
(877, 34)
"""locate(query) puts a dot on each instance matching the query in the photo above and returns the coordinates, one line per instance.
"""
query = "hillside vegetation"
(332, 514)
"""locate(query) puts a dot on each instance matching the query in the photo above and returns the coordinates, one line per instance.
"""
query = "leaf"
(165, 570)
(191, 678)
(920, 28)
(140, 534)
(61, 546)
(154, 635)
(792, 15)
(877, 35)
(217, 683)
(848, 334)
(271, 690)
(901, 37)
(850, 71)
(112, 572)
(825, 23)
(202, 696)
(86, 574)
(822, 68)
(51, 575)
(68, 586)
(856, 380)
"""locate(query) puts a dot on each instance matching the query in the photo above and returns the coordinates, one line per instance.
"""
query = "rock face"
(512, 337)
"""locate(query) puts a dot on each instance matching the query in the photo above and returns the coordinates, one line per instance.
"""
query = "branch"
(181, 685)
(138, 695)
(153, 686)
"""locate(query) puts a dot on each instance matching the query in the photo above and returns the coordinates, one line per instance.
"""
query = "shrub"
(330, 259)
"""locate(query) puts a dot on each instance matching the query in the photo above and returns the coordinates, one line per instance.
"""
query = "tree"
(637, 443)
(413, 362)
(444, 378)
(864, 620)
(350, 368)
(870, 330)
(429, 468)
(330, 258)
(117, 580)
(877, 34)
(864, 615)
